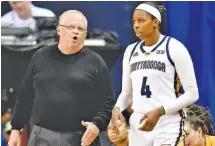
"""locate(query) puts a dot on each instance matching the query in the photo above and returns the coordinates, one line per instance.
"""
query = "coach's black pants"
(44, 137)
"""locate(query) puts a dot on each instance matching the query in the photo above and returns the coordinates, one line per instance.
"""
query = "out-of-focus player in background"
(198, 130)
(120, 139)
(150, 70)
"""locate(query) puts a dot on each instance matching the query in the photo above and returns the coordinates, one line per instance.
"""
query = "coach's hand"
(116, 115)
(90, 134)
(150, 119)
(15, 138)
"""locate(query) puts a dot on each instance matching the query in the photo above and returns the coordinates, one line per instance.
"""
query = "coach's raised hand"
(90, 134)
(150, 119)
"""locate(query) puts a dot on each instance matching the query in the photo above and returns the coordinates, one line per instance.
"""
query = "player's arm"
(185, 70)
(125, 97)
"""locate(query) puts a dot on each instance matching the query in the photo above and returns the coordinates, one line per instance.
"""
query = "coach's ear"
(58, 30)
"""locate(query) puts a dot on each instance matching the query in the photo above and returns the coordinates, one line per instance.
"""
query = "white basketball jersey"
(153, 76)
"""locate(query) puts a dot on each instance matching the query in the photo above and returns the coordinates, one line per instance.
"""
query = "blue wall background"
(193, 23)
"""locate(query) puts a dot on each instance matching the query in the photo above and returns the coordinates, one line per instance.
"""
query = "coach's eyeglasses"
(71, 28)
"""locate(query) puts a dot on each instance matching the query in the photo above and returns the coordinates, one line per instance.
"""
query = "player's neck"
(152, 39)
(203, 141)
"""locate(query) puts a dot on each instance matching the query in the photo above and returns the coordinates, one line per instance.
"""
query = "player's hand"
(15, 138)
(116, 115)
(150, 119)
(90, 134)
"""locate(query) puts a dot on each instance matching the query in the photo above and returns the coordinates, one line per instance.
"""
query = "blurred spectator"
(3, 141)
(198, 127)
(22, 14)
(204, 114)
(196, 132)
(5, 117)
(120, 138)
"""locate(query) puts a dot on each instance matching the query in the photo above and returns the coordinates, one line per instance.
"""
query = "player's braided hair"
(199, 116)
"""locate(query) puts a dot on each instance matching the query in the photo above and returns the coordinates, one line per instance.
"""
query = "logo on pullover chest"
(160, 52)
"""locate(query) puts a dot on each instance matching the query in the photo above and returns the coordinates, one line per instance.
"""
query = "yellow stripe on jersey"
(210, 141)
(177, 85)
(181, 141)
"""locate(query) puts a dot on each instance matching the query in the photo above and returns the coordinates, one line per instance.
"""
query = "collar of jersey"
(142, 45)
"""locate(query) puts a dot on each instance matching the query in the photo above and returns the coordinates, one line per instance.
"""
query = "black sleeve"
(103, 116)
(24, 100)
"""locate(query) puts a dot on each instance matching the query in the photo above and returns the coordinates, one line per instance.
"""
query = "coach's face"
(73, 29)
(143, 24)
(123, 132)
(193, 137)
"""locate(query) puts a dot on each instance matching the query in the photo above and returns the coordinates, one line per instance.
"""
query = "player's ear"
(200, 131)
(156, 23)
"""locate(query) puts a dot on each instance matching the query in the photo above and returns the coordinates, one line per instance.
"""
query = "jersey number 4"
(145, 90)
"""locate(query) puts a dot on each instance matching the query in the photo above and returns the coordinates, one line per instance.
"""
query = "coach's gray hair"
(72, 12)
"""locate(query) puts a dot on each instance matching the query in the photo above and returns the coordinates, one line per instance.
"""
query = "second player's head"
(195, 130)
(122, 136)
(203, 114)
(146, 20)
(197, 125)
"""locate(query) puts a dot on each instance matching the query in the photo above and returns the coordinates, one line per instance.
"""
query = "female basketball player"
(151, 67)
